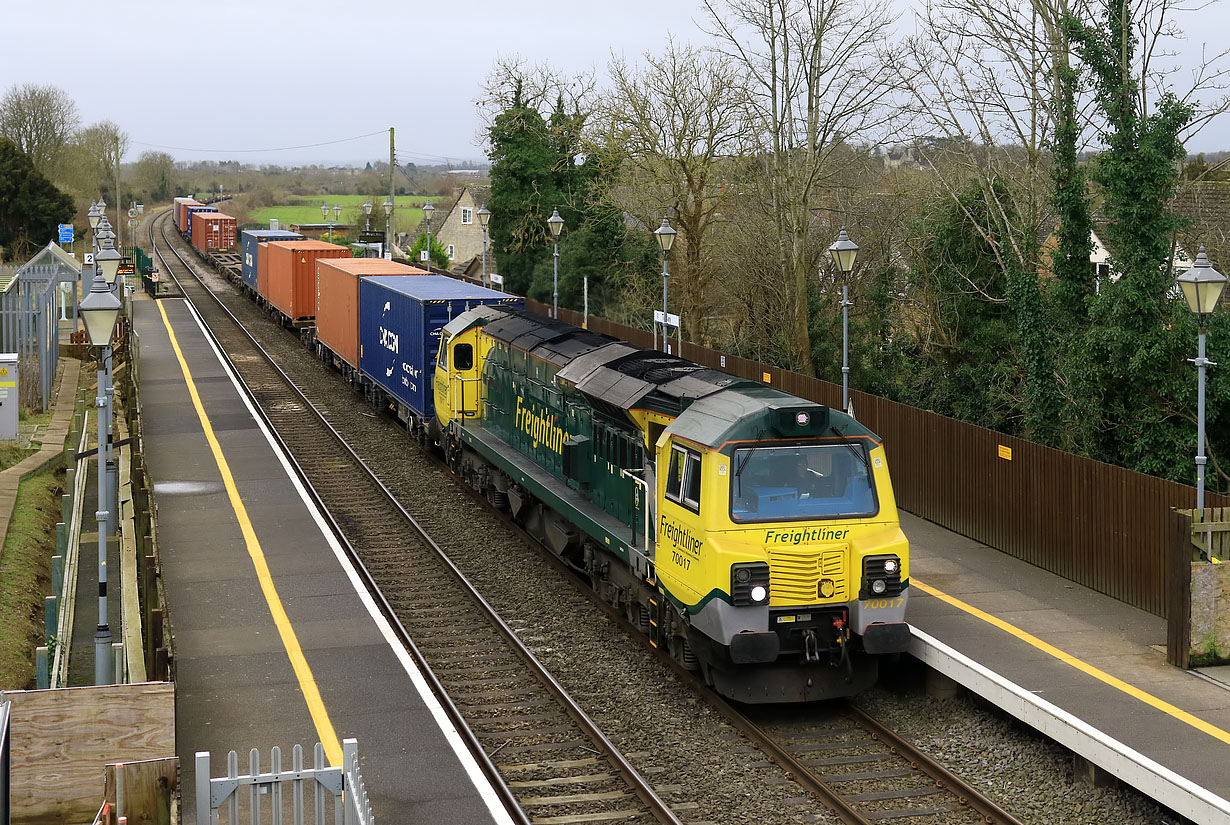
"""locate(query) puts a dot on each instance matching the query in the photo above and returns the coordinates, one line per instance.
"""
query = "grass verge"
(25, 575)
(11, 453)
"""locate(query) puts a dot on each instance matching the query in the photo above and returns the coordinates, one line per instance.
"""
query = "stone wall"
(1210, 613)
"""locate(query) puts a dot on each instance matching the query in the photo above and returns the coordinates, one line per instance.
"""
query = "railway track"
(556, 765)
(854, 767)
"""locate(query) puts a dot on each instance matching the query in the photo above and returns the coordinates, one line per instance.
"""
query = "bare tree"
(40, 120)
(153, 174)
(92, 157)
(541, 84)
(677, 122)
(818, 75)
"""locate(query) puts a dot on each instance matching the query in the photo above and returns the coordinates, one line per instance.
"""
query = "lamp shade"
(99, 311)
(1202, 284)
(108, 261)
(388, 206)
(367, 207)
(94, 215)
(665, 236)
(844, 251)
(324, 211)
(484, 215)
(555, 223)
(337, 211)
(427, 210)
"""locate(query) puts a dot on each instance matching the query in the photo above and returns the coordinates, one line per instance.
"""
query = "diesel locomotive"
(750, 533)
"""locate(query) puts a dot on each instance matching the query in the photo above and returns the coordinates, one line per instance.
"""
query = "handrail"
(72, 550)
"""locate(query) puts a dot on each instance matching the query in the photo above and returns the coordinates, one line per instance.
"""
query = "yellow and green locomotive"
(751, 533)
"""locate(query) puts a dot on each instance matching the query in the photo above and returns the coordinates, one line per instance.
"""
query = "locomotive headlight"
(890, 566)
(759, 593)
(742, 575)
(878, 587)
(749, 584)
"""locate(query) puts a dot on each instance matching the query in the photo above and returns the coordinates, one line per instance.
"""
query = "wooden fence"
(1099, 525)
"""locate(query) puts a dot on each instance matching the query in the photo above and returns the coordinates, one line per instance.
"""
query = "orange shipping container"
(213, 230)
(181, 213)
(287, 275)
(337, 300)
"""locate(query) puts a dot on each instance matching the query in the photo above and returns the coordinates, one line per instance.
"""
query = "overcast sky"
(189, 71)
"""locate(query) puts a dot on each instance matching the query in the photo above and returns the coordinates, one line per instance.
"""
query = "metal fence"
(1101, 526)
(334, 794)
(29, 326)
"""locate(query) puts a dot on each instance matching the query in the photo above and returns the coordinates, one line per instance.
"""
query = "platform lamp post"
(556, 224)
(844, 251)
(107, 261)
(428, 209)
(484, 218)
(388, 227)
(665, 236)
(1202, 286)
(100, 310)
(324, 213)
(367, 214)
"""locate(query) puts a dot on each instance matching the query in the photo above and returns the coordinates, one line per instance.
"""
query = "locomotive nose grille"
(794, 575)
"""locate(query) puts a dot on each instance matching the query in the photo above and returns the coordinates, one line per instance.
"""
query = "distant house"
(1205, 207)
(1100, 256)
(460, 231)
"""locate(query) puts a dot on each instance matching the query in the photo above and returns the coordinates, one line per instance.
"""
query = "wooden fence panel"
(61, 740)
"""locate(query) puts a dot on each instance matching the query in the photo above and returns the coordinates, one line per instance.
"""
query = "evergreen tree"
(523, 192)
(1135, 345)
(30, 206)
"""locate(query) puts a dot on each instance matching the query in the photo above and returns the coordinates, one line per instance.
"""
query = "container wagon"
(337, 307)
(191, 209)
(251, 239)
(212, 230)
(286, 277)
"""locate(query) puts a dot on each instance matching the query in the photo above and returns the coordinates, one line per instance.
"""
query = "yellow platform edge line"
(307, 682)
(1082, 666)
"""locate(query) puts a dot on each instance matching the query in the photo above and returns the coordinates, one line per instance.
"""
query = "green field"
(306, 209)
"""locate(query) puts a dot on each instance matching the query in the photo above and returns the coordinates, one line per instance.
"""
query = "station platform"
(1086, 669)
(276, 642)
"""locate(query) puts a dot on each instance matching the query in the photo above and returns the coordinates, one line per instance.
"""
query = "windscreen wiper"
(845, 439)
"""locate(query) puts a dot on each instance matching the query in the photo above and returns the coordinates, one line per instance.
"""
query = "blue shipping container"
(253, 238)
(400, 318)
(188, 210)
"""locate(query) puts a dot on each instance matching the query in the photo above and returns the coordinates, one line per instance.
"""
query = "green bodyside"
(562, 433)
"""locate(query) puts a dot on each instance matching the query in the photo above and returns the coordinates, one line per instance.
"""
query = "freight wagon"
(400, 319)
(286, 277)
(191, 209)
(251, 239)
(213, 230)
(337, 307)
(178, 213)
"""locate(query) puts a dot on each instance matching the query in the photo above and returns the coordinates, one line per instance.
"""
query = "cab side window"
(463, 357)
(683, 478)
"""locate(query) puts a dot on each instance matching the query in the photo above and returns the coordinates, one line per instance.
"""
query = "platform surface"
(236, 686)
(1103, 635)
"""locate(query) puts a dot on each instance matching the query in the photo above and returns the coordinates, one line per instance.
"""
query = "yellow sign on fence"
(1005, 452)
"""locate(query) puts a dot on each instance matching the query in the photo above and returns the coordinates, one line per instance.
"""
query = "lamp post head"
(102, 207)
(324, 211)
(484, 216)
(107, 260)
(1201, 285)
(337, 211)
(367, 207)
(844, 251)
(665, 236)
(427, 210)
(388, 207)
(94, 215)
(100, 309)
(555, 223)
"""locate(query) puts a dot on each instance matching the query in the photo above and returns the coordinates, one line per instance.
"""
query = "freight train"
(751, 534)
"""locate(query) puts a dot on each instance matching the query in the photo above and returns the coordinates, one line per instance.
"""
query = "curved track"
(500, 697)
(856, 768)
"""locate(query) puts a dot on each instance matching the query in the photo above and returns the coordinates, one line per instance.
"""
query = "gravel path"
(699, 764)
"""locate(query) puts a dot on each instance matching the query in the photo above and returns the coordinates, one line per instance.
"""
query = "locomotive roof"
(609, 370)
(755, 414)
